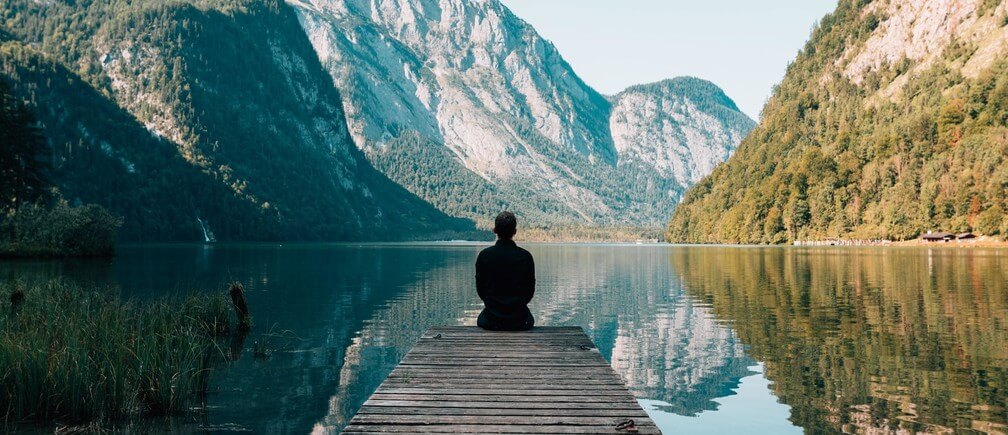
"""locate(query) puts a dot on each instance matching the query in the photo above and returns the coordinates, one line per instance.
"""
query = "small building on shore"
(938, 237)
(966, 237)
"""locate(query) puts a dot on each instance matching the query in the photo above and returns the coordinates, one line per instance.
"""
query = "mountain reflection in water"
(848, 339)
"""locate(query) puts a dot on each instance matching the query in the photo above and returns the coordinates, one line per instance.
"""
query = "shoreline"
(982, 242)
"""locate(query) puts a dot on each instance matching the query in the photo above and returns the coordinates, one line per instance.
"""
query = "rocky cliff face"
(921, 30)
(680, 128)
(471, 77)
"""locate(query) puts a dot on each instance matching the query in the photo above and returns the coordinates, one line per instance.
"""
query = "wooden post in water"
(467, 380)
(240, 305)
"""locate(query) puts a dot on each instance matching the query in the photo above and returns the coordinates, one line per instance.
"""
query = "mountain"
(465, 105)
(889, 123)
(201, 120)
(680, 128)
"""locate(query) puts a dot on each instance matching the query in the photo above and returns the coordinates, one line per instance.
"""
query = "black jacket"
(505, 280)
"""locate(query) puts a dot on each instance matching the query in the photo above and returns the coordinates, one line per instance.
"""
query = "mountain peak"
(470, 88)
(700, 89)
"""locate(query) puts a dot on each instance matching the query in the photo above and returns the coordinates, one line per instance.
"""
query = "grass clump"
(79, 355)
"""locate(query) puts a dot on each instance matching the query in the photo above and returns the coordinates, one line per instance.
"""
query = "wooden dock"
(467, 380)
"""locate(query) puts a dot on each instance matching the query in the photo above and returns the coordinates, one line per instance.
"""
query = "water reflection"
(868, 340)
(665, 346)
(852, 340)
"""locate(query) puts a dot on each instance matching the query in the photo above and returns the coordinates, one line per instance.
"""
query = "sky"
(743, 46)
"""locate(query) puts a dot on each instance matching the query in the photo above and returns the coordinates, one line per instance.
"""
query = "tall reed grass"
(80, 355)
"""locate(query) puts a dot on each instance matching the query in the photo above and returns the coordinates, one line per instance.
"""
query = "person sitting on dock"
(505, 280)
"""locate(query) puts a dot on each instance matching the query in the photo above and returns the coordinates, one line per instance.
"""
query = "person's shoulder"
(524, 251)
(489, 250)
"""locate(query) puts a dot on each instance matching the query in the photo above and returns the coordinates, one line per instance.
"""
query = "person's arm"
(481, 285)
(529, 284)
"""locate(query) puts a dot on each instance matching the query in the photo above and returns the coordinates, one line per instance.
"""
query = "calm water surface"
(710, 339)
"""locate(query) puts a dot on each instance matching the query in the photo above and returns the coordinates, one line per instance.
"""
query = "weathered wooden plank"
(507, 400)
(500, 384)
(635, 414)
(439, 345)
(503, 405)
(600, 378)
(545, 342)
(402, 410)
(485, 335)
(465, 380)
(522, 373)
(575, 420)
(512, 428)
(485, 362)
(417, 374)
(506, 355)
(587, 373)
(495, 351)
(526, 377)
(437, 369)
(480, 337)
(609, 390)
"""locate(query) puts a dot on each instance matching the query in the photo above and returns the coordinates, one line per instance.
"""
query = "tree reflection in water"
(868, 340)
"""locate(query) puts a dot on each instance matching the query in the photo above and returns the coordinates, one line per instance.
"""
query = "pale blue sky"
(743, 46)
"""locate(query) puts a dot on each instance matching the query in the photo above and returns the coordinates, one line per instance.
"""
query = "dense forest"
(837, 158)
(200, 120)
(34, 220)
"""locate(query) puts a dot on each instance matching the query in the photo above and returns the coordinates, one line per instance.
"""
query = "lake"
(710, 339)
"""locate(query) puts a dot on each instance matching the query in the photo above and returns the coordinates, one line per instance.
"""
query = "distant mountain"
(201, 120)
(680, 128)
(890, 122)
(464, 104)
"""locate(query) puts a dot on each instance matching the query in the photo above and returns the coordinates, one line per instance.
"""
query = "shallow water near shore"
(709, 338)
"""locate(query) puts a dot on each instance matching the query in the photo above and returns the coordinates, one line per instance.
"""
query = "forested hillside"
(205, 119)
(889, 123)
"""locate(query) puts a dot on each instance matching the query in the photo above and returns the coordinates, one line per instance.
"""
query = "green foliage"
(836, 159)
(225, 116)
(430, 171)
(58, 231)
(78, 354)
(989, 222)
(24, 153)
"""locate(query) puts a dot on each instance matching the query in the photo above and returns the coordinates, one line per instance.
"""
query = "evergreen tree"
(24, 153)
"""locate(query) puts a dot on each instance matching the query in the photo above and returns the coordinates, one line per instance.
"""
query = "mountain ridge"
(499, 97)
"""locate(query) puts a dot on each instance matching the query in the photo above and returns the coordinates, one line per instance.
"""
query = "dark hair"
(505, 225)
